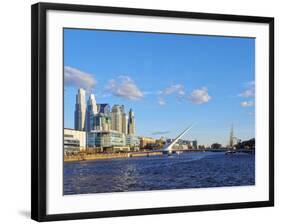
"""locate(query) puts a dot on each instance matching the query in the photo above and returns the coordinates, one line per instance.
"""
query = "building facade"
(74, 137)
(103, 108)
(116, 118)
(102, 122)
(80, 110)
(105, 139)
(91, 111)
(132, 141)
(145, 141)
(71, 144)
(131, 123)
(124, 123)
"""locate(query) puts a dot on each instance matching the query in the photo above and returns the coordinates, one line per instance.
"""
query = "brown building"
(145, 141)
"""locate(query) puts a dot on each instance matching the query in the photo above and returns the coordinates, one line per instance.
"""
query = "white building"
(73, 136)
(71, 144)
(80, 110)
(116, 118)
(91, 111)
(124, 123)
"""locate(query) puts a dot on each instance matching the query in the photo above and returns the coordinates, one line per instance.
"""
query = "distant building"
(116, 117)
(145, 141)
(194, 144)
(103, 108)
(105, 139)
(74, 140)
(131, 123)
(91, 111)
(160, 142)
(80, 110)
(184, 144)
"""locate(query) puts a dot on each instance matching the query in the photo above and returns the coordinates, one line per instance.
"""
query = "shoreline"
(104, 156)
(76, 158)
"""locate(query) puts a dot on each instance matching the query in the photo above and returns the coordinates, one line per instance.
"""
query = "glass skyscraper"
(92, 110)
(80, 110)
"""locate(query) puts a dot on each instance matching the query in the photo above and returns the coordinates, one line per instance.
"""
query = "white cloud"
(250, 91)
(124, 87)
(178, 89)
(199, 96)
(77, 78)
(161, 102)
(247, 103)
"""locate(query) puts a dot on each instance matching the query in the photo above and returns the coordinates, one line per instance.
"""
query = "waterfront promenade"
(103, 156)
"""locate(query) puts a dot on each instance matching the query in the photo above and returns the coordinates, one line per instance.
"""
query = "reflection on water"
(187, 170)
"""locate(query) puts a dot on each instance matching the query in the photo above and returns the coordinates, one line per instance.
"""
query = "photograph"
(151, 111)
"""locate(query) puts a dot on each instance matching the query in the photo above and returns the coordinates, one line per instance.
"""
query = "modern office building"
(131, 123)
(102, 122)
(91, 111)
(103, 108)
(105, 139)
(116, 117)
(80, 110)
(73, 138)
(132, 140)
(124, 123)
(100, 126)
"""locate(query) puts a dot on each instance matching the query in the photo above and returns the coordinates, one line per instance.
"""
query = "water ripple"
(188, 170)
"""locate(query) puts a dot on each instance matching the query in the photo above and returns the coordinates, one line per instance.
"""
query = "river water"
(187, 170)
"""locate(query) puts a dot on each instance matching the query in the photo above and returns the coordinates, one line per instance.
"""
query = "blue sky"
(169, 80)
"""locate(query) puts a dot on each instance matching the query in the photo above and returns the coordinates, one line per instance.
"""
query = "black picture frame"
(39, 121)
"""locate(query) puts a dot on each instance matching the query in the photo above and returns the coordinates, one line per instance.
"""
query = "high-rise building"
(91, 111)
(131, 123)
(103, 108)
(124, 123)
(116, 118)
(102, 122)
(80, 110)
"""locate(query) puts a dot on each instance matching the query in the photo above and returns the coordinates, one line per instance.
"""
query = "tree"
(216, 146)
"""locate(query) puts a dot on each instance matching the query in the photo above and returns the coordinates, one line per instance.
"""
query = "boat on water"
(230, 152)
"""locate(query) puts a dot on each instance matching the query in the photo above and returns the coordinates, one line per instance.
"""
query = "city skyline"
(193, 93)
(92, 116)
